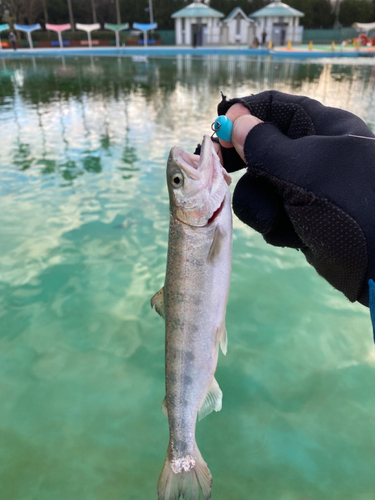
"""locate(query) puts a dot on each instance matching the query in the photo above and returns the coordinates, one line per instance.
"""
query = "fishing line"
(362, 137)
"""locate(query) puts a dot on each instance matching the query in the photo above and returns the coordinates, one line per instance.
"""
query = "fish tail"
(184, 478)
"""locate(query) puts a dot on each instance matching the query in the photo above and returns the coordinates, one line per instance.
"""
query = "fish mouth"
(208, 152)
(195, 165)
(189, 162)
(204, 197)
(192, 163)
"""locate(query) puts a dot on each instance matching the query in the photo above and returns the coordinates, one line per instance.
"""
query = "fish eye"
(177, 179)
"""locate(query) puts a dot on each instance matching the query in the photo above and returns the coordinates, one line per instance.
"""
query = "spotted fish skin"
(193, 303)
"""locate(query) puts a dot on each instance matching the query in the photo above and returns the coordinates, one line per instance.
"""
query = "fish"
(193, 303)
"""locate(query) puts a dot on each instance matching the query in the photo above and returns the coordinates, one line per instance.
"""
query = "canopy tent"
(3, 27)
(59, 28)
(145, 28)
(116, 28)
(364, 26)
(88, 28)
(28, 28)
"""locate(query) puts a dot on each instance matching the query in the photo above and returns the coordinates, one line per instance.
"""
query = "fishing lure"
(222, 127)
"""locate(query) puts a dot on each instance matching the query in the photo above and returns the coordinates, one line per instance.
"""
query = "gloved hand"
(309, 184)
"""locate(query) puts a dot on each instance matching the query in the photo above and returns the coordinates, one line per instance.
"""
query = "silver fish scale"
(194, 311)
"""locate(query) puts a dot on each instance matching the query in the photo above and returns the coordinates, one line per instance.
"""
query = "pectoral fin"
(216, 244)
(158, 301)
(213, 400)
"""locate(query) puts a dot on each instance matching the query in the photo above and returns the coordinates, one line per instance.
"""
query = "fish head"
(197, 184)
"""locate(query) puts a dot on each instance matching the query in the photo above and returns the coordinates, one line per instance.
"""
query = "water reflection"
(50, 93)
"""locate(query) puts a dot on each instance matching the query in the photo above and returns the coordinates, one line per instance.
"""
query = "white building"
(197, 24)
(279, 22)
(238, 28)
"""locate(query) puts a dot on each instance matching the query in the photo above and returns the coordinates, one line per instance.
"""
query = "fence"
(327, 36)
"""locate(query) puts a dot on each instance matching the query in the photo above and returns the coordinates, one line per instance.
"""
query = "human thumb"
(241, 129)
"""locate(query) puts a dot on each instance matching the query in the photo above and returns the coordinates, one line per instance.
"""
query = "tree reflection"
(69, 170)
(92, 163)
(71, 114)
(105, 142)
(128, 159)
(49, 166)
(22, 156)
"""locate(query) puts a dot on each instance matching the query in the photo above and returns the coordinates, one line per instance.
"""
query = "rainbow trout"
(193, 303)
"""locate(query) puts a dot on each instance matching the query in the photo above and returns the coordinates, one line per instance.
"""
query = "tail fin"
(184, 478)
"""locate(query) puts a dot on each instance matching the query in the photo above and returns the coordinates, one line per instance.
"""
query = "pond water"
(83, 242)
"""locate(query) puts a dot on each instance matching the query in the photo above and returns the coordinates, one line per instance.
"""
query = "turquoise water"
(83, 241)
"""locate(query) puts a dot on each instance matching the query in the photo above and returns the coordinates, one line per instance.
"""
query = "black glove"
(310, 185)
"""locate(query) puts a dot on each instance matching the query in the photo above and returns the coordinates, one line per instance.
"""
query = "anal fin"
(158, 301)
(213, 400)
(164, 408)
(223, 338)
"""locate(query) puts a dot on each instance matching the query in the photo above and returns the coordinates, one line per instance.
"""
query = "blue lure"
(222, 127)
(371, 288)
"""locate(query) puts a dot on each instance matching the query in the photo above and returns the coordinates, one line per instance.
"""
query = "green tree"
(163, 9)
(106, 11)
(318, 13)
(360, 11)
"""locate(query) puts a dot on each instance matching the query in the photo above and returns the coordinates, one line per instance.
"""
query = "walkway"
(299, 52)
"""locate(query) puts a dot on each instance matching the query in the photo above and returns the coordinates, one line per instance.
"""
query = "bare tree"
(118, 12)
(22, 11)
(71, 18)
(45, 11)
(150, 11)
(93, 6)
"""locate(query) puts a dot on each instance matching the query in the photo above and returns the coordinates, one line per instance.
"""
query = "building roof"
(197, 9)
(233, 14)
(277, 9)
